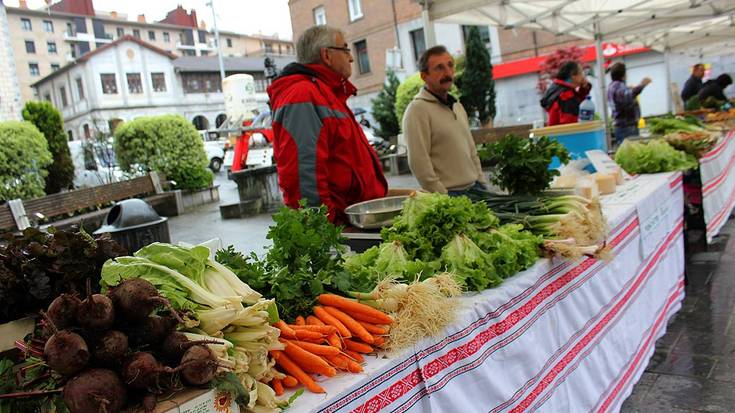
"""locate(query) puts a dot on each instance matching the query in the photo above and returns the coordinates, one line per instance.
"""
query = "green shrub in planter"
(48, 120)
(407, 90)
(24, 157)
(167, 143)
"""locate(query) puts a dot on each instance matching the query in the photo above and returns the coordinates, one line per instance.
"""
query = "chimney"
(22, 4)
(113, 14)
(141, 18)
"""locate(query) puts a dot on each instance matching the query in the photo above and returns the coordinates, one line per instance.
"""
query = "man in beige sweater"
(441, 150)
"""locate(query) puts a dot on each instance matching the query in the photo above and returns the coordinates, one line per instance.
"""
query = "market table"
(717, 170)
(562, 336)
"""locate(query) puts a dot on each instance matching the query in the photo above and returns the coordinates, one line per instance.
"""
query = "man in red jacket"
(563, 97)
(321, 152)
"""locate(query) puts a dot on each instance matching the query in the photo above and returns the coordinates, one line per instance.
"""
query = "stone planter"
(258, 191)
(190, 199)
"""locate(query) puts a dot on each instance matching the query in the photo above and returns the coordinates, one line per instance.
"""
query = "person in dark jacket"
(624, 104)
(561, 100)
(715, 88)
(694, 84)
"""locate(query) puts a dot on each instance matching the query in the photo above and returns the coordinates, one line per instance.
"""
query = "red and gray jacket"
(321, 153)
(561, 102)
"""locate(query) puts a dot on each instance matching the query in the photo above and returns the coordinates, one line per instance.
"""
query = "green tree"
(24, 157)
(168, 144)
(384, 108)
(48, 120)
(477, 87)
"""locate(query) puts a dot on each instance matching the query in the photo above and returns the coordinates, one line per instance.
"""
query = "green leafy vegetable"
(652, 157)
(521, 166)
(470, 265)
(665, 125)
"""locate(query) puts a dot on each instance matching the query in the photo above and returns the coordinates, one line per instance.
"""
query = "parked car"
(215, 153)
(94, 164)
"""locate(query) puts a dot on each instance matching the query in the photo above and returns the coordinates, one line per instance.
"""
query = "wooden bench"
(62, 209)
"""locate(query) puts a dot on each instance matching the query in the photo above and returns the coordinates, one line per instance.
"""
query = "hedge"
(48, 120)
(24, 157)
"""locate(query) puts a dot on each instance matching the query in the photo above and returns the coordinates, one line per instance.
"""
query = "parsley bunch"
(521, 166)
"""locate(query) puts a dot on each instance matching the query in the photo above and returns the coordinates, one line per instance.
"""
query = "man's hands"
(645, 81)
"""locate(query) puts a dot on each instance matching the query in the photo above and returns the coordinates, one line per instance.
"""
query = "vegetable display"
(521, 166)
(666, 125)
(37, 267)
(694, 143)
(653, 156)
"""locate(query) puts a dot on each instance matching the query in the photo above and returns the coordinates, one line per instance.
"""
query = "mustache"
(446, 79)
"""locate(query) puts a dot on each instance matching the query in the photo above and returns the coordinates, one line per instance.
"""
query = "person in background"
(715, 88)
(441, 151)
(694, 84)
(321, 152)
(622, 99)
(569, 88)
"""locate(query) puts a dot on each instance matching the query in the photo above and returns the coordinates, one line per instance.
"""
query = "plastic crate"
(576, 137)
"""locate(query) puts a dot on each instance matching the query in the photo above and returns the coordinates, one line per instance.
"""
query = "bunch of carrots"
(334, 338)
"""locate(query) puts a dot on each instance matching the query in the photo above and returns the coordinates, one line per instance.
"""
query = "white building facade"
(10, 107)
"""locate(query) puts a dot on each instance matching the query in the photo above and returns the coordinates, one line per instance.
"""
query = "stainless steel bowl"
(375, 213)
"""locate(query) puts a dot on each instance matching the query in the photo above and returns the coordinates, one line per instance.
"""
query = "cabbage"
(653, 157)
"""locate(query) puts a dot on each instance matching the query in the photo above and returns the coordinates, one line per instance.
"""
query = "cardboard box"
(15, 330)
(197, 401)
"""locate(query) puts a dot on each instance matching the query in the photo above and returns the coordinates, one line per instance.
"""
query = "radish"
(95, 391)
(66, 352)
(63, 310)
(136, 298)
(199, 365)
(110, 348)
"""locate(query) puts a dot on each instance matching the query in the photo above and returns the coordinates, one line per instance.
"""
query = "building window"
(202, 82)
(229, 42)
(55, 67)
(109, 86)
(363, 62)
(48, 26)
(62, 93)
(26, 23)
(87, 133)
(484, 33)
(136, 33)
(51, 47)
(47, 97)
(166, 37)
(151, 35)
(189, 52)
(205, 52)
(355, 9)
(30, 46)
(320, 16)
(80, 88)
(202, 36)
(135, 86)
(417, 42)
(158, 82)
(120, 32)
(269, 47)
(33, 67)
(70, 134)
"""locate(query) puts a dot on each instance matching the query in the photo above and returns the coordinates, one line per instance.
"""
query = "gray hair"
(312, 41)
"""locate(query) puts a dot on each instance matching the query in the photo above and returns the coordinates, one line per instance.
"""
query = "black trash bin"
(134, 224)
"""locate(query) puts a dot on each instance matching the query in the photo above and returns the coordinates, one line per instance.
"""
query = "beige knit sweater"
(441, 151)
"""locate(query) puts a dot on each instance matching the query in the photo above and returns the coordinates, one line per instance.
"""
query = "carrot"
(372, 328)
(367, 319)
(327, 318)
(344, 363)
(358, 347)
(314, 321)
(308, 361)
(378, 340)
(293, 369)
(277, 386)
(317, 349)
(290, 381)
(334, 341)
(353, 307)
(319, 329)
(299, 321)
(355, 356)
(286, 331)
(308, 335)
(351, 324)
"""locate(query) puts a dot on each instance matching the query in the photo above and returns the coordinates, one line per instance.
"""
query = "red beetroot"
(136, 298)
(142, 371)
(95, 391)
(198, 366)
(96, 312)
(63, 310)
(66, 352)
(110, 348)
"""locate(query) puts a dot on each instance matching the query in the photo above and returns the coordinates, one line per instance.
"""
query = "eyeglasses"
(344, 49)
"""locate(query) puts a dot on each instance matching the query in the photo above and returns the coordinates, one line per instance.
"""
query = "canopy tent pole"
(667, 63)
(599, 60)
(429, 35)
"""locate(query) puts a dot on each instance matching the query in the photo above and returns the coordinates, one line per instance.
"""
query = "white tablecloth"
(717, 169)
(560, 337)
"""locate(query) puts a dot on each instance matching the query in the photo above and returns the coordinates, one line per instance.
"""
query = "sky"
(243, 16)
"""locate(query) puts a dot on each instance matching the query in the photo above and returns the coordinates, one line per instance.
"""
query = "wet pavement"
(693, 366)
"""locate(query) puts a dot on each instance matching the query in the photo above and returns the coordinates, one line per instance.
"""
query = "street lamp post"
(210, 3)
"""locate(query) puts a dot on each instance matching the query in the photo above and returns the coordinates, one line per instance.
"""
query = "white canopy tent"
(664, 25)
